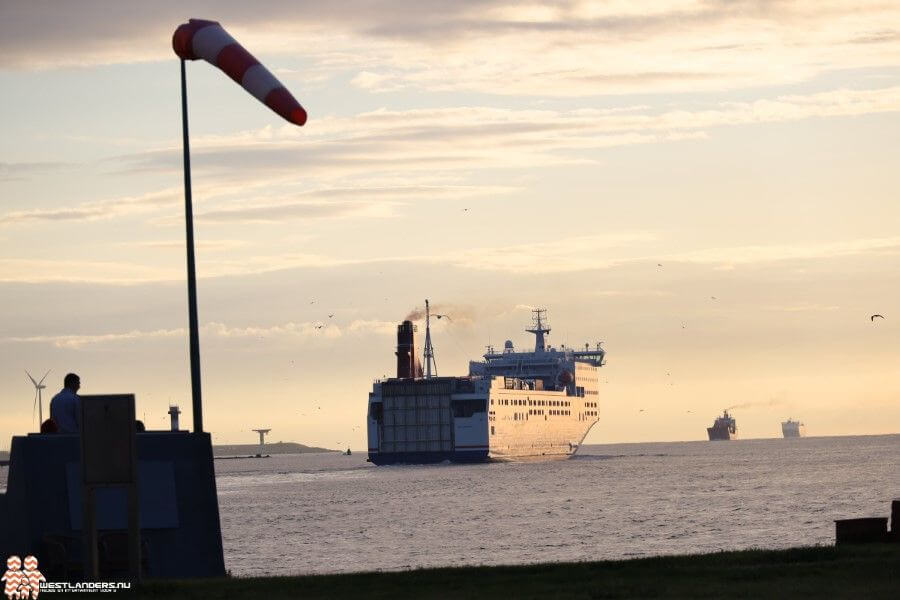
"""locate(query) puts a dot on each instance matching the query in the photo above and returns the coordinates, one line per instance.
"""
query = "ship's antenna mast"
(429, 349)
(538, 328)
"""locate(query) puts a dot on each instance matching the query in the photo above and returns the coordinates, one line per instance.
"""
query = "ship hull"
(792, 429)
(720, 434)
(424, 458)
(465, 420)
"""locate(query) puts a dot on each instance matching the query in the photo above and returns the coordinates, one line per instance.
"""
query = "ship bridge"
(555, 368)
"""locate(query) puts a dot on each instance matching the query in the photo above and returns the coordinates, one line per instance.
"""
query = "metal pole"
(191, 271)
(428, 351)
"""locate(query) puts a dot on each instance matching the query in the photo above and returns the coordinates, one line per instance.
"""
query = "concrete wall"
(178, 503)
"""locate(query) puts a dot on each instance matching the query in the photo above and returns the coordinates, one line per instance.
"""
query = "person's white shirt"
(65, 409)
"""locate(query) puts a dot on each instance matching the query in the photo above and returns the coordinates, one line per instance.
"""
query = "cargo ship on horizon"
(793, 429)
(537, 403)
(724, 428)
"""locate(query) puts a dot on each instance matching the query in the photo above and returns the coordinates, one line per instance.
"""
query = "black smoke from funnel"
(758, 404)
(456, 313)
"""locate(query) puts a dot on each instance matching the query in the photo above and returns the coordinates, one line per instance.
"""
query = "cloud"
(376, 82)
(445, 140)
(746, 255)
(14, 270)
(557, 256)
(75, 342)
(352, 164)
(631, 293)
(100, 209)
(564, 48)
(215, 330)
(877, 37)
(565, 255)
(179, 244)
(804, 307)
(581, 254)
(275, 213)
(344, 203)
(17, 171)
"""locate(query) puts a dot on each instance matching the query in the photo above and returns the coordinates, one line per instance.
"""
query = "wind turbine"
(38, 386)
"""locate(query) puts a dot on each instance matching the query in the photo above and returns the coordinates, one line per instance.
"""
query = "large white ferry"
(511, 405)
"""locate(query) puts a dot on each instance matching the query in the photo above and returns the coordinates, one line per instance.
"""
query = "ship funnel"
(406, 355)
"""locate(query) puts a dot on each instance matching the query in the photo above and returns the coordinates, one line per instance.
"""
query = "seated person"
(65, 408)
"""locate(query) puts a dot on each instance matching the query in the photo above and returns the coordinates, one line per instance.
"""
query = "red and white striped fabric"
(208, 40)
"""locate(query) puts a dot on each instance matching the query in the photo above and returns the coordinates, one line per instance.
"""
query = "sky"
(707, 187)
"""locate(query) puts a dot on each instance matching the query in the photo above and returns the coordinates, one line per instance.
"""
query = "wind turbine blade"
(45, 376)
(31, 378)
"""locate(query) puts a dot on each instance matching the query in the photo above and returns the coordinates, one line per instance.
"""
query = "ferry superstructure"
(724, 428)
(512, 405)
(792, 429)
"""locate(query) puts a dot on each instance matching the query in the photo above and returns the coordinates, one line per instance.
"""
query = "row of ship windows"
(534, 412)
(529, 402)
(524, 416)
(581, 392)
(591, 404)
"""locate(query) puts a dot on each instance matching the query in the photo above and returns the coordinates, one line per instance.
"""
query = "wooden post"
(89, 529)
(109, 459)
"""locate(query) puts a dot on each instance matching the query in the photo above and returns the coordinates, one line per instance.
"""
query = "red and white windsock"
(208, 40)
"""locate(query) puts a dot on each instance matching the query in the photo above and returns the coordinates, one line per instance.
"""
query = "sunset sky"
(708, 187)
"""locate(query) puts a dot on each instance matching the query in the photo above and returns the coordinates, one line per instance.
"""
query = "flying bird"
(329, 316)
(873, 317)
(319, 326)
(713, 298)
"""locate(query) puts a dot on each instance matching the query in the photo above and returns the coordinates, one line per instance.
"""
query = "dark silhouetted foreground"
(868, 571)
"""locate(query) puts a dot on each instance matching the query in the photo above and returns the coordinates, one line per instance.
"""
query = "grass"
(870, 571)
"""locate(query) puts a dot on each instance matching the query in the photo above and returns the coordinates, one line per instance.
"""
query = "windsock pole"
(191, 270)
(200, 38)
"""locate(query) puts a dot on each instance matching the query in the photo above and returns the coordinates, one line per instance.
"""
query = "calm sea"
(328, 513)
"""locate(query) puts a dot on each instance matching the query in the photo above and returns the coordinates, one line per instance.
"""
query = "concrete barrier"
(861, 531)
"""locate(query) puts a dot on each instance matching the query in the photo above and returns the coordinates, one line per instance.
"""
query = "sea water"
(329, 513)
